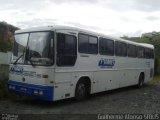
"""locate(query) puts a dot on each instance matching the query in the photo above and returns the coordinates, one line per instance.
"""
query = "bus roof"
(52, 28)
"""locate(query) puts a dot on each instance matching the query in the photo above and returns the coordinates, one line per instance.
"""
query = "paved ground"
(125, 100)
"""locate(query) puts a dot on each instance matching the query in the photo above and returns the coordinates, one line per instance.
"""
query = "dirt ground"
(120, 101)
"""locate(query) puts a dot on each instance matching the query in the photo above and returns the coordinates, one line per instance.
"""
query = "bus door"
(66, 55)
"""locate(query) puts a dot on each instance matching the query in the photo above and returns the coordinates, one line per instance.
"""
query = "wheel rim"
(81, 90)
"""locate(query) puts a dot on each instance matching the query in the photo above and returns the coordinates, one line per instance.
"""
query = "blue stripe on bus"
(27, 89)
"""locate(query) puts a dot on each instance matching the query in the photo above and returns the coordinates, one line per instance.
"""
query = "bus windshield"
(33, 48)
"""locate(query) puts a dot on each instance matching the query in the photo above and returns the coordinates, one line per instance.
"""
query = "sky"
(111, 17)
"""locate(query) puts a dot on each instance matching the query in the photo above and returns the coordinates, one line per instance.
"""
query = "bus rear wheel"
(141, 80)
(81, 91)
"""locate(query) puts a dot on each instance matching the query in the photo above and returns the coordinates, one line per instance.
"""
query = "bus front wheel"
(81, 91)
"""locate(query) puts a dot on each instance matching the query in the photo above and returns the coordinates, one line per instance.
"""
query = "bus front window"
(40, 48)
(20, 44)
(36, 47)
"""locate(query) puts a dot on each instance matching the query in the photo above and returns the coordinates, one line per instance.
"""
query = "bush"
(5, 94)
(157, 66)
(3, 89)
(4, 46)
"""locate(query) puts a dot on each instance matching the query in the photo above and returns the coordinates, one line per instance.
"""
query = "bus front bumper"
(36, 91)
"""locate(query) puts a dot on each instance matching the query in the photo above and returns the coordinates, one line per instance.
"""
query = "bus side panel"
(121, 68)
(149, 71)
(131, 71)
(107, 80)
(65, 83)
(132, 76)
(63, 86)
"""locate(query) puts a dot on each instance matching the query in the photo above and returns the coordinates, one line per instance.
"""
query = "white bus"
(58, 62)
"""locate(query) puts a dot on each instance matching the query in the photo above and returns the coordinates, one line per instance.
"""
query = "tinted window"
(66, 50)
(88, 44)
(149, 53)
(120, 49)
(152, 53)
(132, 50)
(106, 46)
(140, 52)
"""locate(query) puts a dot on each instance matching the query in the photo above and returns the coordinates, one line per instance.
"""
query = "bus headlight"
(35, 92)
(12, 87)
(40, 92)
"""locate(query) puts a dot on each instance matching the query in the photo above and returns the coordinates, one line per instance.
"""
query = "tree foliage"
(6, 36)
(5, 46)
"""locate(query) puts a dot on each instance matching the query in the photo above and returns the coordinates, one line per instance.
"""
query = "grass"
(156, 78)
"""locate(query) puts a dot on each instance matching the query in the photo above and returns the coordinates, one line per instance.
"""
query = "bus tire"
(81, 91)
(141, 80)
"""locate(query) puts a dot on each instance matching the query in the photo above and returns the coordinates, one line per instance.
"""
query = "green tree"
(4, 46)
(6, 36)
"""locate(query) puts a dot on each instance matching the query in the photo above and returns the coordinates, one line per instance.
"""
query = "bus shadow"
(45, 104)
(71, 101)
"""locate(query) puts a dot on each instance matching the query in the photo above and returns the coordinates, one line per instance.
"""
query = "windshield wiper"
(28, 57)
(18, 59)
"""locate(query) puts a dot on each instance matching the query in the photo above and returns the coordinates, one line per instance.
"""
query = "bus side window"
(152, 54)
(140, 52)
(120, 49)
(87, 44)
(106, 46)
(132, 50)
(66, 49)
(147, 53)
